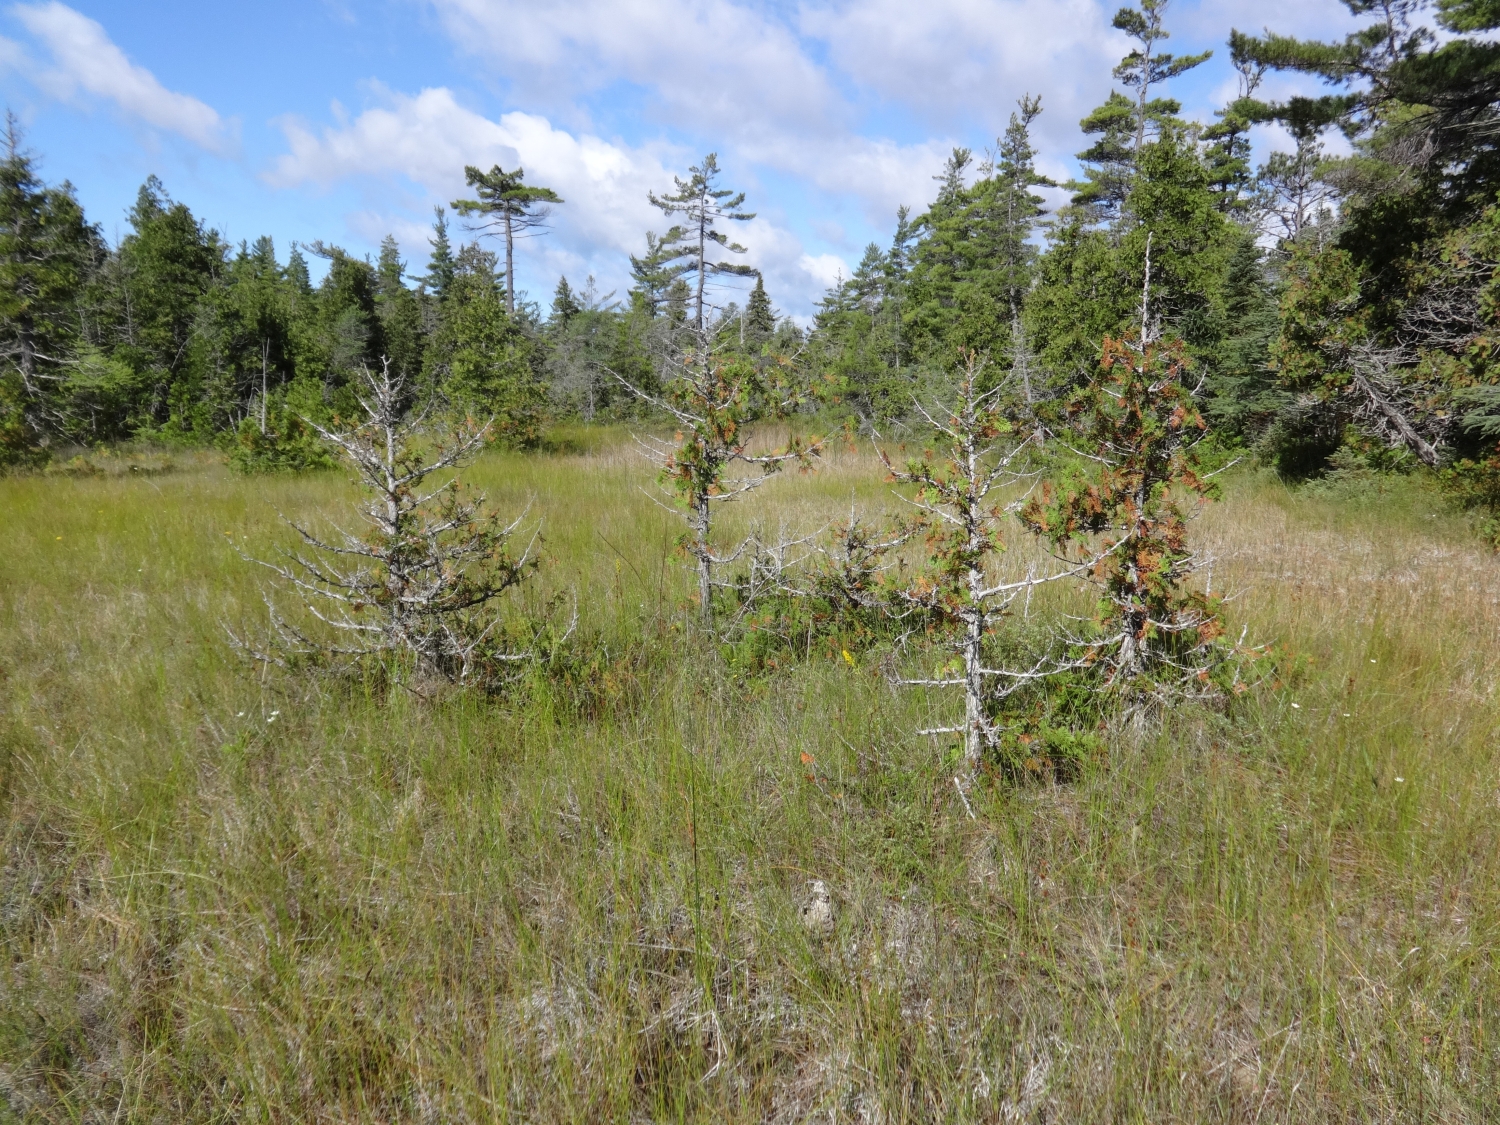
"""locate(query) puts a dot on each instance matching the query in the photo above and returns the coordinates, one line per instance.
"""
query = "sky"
(346, 121)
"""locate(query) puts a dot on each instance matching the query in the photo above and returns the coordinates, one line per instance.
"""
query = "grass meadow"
(234, 896)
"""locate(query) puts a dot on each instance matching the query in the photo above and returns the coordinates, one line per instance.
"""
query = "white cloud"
(826, 269)
(85, 59)
(813, 90)
(710, 63)
(428, 138)
(957, 59)
(731, 75)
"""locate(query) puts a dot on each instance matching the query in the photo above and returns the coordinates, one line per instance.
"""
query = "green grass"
(228, 896)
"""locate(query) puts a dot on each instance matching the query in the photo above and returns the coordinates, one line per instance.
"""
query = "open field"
(226, 897)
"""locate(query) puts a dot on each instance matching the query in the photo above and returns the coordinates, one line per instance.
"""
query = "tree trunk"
(974, 717)
(510, 266)
(705, 563)
(702, 238)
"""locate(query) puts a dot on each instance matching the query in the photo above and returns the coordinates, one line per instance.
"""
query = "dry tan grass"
(227, 899)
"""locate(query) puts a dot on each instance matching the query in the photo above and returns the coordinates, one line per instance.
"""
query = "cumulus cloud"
(710, 63)
(963, 59)
(426, 139)
(735, 77)
(85, 60)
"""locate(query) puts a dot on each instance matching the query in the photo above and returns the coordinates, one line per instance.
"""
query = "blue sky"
(346, 121)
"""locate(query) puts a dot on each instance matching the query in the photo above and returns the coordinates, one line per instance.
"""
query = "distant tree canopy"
(1329, 309)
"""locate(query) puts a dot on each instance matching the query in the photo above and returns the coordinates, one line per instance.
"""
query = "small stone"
(817, 911)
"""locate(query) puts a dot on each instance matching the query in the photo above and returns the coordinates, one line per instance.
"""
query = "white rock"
(817, 911)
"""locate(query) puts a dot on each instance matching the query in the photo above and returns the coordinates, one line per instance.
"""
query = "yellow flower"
(848, 659)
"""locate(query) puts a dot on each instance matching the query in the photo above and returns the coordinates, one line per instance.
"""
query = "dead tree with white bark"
(716, 397)
(968, 485)
(415, 589)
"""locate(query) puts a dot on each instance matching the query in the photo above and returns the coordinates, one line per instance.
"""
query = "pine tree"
(1228, 139)
(507, 203)
(1145, 66)
(1122, 125)
(702, 204)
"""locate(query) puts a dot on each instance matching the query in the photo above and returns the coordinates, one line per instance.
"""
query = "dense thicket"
(1335, 312)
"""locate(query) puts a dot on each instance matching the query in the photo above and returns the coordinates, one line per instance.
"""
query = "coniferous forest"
(1055, 681)
(1335, 308)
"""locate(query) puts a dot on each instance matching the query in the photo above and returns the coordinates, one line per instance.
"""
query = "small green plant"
(281, 443)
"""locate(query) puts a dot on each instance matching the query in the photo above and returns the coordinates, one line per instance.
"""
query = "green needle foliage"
(509, 205)
(685, 249)
(1123, 514)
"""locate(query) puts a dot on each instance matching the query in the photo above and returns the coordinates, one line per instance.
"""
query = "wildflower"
(849, 660)
(1298, 706)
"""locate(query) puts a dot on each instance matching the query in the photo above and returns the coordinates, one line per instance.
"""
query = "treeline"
(1337, 312)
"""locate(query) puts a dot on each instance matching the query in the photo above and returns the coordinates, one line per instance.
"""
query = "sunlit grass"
(226, 896)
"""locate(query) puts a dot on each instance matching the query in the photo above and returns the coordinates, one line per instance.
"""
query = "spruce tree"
(702, 204)
(347, 333)
(975, 260)
(1388, 314)
(165, 267)
(510, 205)
(46, 247)
(1015, 176)
(297, 273)
(400, 314)
(564, 305)
(760, 320)
(482, 359)
(653, 273)
(440, 262)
